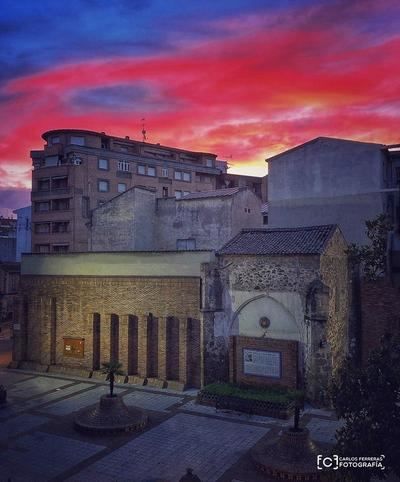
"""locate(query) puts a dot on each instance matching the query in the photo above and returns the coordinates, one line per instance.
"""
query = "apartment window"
(178, 194)
(78, 140)
(55, 140)
(103, 164)
(42, 228)
(42, 248)
(151, 171)
(246, 210)
(60, 204)
(185, 244)
(60, 227)
(141, 169)
(50, 161)
(182, 176)
(44, 184)
(124, 166)
(59, 182)
(209, 163)
(164, 172)
(265, 219)
(105, 143)
(103, 186)
(164, 192)
(121, 187)
(42, 206)
(60, 248)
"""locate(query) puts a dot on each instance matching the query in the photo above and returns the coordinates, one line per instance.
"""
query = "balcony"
(124, 174)
(50, 193)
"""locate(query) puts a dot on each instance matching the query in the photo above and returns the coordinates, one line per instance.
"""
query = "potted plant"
(112, 369)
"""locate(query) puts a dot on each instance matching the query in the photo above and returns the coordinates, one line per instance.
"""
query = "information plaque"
(262, 363)
(74, 347)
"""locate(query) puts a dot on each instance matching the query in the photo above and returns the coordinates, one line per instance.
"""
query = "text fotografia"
(335, 462)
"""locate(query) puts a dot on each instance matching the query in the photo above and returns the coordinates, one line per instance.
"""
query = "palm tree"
(111, 369)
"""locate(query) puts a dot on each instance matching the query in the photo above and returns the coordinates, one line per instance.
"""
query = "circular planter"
(111, 415)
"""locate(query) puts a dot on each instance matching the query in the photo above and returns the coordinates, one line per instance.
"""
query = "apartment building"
(79, 170)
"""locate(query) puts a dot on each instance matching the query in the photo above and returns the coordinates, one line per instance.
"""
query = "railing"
(51, 192)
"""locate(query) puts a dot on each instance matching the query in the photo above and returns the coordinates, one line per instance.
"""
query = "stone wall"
(166, 312)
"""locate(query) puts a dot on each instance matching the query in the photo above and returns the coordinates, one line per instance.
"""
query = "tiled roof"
(206, 194)
(264, 208)
(280, 241)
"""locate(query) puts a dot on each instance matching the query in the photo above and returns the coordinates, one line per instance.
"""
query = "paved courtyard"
(38, 442)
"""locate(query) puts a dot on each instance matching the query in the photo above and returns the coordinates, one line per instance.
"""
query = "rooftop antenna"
(144, 130)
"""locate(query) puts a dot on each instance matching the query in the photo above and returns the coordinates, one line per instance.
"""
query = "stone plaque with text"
(262, 363)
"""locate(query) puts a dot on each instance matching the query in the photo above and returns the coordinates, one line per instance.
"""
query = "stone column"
(142, 346)
(162, 348)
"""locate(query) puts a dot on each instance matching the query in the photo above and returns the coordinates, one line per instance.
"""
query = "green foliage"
(270, 394)
(368, 399)
(373, 256)
(112, 369)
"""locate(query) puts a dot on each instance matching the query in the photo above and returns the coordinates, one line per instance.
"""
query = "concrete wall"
(183, 263)
(126, 222)
(24, 231)
(211, 221)
(327, 181)
(207, 221)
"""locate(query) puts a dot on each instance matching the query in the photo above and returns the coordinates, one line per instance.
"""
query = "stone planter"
(251, 406)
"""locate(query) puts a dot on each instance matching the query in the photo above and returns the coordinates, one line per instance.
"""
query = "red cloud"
(249, 96)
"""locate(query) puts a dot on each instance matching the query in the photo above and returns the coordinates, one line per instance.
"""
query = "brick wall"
(57, 307)
(289, 357)
(380, 313)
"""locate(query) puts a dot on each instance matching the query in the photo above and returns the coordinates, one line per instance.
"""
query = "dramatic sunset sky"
(242, 78)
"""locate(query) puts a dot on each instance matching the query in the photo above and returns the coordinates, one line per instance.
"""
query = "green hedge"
(268, 394)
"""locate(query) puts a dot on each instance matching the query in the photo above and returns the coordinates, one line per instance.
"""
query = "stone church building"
(270, 307)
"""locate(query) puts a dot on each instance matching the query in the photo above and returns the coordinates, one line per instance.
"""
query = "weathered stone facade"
(305, 297)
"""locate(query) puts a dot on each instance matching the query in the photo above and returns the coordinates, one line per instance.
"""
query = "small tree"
(373, 256)
(368, 399)
(111, 369)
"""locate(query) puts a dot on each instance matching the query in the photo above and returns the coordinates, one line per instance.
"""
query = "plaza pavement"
(38, 442)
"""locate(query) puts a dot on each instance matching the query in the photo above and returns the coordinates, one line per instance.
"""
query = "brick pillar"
(123, 342)
(18, 350)
(162, 348)
(183, 350)
(142, 346)
(105, 324)
(45, 321)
